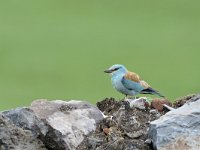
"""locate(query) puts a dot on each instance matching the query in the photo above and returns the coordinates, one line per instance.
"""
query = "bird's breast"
(117, 84)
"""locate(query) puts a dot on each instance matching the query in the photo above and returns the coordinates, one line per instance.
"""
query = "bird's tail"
(151, 91)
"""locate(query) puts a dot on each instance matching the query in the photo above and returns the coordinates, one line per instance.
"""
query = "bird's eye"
(115, 69)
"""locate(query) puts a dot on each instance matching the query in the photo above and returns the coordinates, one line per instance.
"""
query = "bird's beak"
(108, 71)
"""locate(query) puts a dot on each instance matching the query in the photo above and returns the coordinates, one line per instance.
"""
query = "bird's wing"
(132, 81)
(144, 84)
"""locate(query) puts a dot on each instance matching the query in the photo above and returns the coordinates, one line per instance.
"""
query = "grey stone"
(137, 103)
(126, 130)
(68, 122)
(13, 137)
(25, 118)
(178, 129)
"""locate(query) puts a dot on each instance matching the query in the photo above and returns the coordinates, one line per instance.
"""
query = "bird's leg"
(125, 103)
(133, 97)
(126, 96)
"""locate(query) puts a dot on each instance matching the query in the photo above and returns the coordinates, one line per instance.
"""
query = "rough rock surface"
(113, 125)
(178, 129)
(56, 125)
(181, 101)
(68, 122)
(15, 138)
(124, 128)
(26, 119)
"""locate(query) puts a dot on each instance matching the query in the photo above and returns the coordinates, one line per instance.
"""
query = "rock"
(125, 130)
(13, 137)
(58, 124)
(158, 104)
(93, 143)
(140, 103)
(168, 107)
(106, 130)
(68, 122)
(181, 101)
(135, 134)
(155, 113)
(121, 125)
(178, 129)
(109, 105)
(26, 119)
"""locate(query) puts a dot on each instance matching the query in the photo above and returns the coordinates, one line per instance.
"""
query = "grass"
(59, 49)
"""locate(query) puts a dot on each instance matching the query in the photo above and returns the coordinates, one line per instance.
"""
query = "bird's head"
(116, 69)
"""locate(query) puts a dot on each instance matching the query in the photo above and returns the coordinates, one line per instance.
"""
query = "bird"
(129, 83)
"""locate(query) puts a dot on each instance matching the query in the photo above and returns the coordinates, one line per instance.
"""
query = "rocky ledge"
(110, 125)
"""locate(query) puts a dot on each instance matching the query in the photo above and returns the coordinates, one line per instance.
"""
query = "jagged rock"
(140, 103)
(13, 137)
(157, 104)
(121, 125)
(178, 129)
(58, 124)
(125, 130)
(67, 122)
(181, 101)
(25, 118)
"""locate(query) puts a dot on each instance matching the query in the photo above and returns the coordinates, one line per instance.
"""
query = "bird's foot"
(125, 98)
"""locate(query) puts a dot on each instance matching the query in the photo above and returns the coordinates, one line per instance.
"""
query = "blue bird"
(129, 83)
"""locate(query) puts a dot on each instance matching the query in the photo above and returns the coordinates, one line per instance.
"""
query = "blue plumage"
(129, 83)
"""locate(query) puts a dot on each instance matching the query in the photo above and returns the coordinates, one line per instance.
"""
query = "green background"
(58, 49)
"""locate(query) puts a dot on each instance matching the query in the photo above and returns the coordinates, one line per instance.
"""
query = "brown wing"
(136, 78)
(144, 84)
(132, 76)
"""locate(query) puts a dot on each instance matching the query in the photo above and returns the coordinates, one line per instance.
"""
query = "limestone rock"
(178, 129)
(13, 137)
(125, 128)
(68, 122)
(26, 119)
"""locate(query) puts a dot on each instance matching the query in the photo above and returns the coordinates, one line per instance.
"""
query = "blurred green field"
(59, 49)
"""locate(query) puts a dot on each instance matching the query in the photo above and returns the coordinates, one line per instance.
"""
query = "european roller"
(129, 83)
